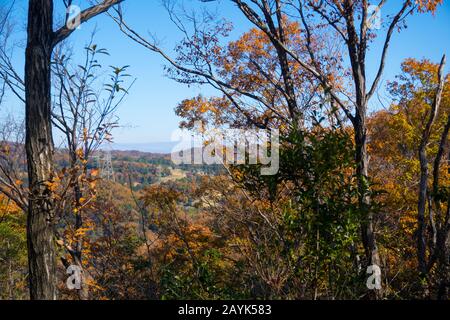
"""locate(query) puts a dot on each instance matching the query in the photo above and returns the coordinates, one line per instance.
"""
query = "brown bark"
(39, 149)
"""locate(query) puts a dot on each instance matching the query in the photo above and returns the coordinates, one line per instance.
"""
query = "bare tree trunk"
(357, 54)
(362, 173)
(438, 246)
(357, 47)
(365, 200)
(443, 244)
(39, 149)
(423, 186)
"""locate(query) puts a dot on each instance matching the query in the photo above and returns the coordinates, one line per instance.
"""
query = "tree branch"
(85, 16)
(387, 42)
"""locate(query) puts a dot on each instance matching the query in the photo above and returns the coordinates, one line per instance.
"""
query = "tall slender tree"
(39, 141)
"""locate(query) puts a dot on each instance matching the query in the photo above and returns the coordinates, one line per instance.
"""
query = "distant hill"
(156, 147)
(146, 168)
(141, 168)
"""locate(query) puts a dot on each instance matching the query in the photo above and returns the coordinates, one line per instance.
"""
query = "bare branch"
(387, 42)
(85, 16)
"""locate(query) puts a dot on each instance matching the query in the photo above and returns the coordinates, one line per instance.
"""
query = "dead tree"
(439, 223)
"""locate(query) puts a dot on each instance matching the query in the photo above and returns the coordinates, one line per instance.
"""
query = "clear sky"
(148, 112)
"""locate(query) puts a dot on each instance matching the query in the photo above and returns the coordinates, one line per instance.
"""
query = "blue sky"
(148, 112)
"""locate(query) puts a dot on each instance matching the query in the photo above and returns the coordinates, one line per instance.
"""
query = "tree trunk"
(423, 186)
(362, 173)
(444, 265)
(424, 197)
(39, 149)
(357, 54)
(443, 249)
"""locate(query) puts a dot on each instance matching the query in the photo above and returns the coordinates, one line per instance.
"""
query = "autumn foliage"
(359, 185)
